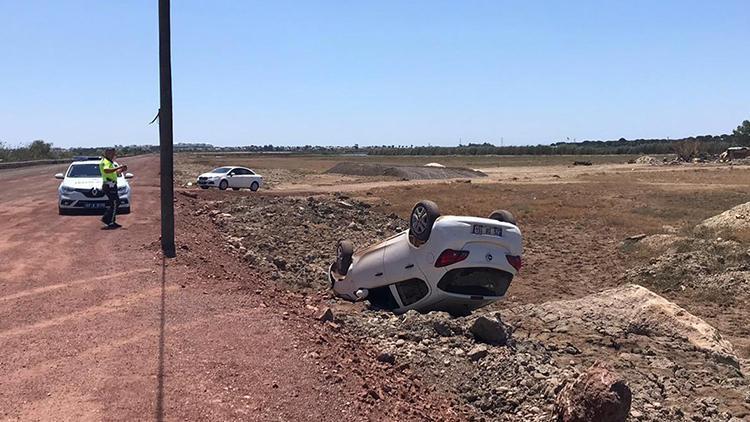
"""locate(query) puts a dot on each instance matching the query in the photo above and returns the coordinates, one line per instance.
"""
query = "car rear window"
(411, 291)
(476, 281)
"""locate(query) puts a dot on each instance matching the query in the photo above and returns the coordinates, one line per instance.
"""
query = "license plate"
(487, 230)
(94, 205)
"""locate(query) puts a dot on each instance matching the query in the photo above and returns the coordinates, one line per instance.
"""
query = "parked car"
(231, 177)
(81, 188)
(448, 263)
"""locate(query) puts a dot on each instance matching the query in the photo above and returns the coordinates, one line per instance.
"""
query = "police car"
(81, 188)
(444, 263)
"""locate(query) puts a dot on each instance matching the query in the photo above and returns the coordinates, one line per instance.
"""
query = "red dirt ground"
(95, 325)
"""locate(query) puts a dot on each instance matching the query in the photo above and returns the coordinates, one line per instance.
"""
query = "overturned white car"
(447, 263)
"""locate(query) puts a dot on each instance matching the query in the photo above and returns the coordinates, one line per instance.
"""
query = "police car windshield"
(84, 170)
(221, 170)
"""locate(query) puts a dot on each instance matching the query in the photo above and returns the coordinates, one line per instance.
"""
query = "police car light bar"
(86, 158)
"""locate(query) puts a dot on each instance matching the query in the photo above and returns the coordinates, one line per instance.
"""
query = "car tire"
(223, 185)
(421, 220)
(344, 252)
(254, 186)
(503, 216)
(204, 187)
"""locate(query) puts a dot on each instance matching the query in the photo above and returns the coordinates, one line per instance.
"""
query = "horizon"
(330, 74)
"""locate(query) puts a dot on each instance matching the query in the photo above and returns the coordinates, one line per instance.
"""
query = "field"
(235, 328)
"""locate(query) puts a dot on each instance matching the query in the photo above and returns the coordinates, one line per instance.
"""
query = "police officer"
(109, 171)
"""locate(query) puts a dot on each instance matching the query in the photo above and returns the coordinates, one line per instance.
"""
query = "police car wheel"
(223, 185)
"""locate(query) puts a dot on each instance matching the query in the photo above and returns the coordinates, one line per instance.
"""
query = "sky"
(85, 73)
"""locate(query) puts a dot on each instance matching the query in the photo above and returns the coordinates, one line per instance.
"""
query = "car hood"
(88, 182)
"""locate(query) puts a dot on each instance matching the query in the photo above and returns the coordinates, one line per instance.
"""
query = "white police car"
(81, 188)
(444, 263)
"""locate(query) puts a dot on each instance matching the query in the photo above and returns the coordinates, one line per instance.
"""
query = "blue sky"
(380, 72)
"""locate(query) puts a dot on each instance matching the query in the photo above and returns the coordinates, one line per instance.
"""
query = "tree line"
(686, 148)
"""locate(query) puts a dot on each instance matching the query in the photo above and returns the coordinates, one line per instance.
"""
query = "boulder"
(598, 394)
(490, 330)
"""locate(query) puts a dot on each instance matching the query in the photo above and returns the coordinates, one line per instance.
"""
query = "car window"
(411, 291)
(221, 170)
(382, 298)
(476, 281)
(84, 170)
(240, 172)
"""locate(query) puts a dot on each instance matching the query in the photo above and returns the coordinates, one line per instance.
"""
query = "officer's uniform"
(109, 187)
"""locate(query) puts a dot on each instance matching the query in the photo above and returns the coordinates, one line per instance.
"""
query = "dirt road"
(95, 326)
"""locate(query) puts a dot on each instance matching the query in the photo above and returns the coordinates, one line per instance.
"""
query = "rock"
(386, 357)
(442, 328)
(636, 237)
(477, 352)
(490, 331)
(279, 262)
(325, 315)
(598, 394)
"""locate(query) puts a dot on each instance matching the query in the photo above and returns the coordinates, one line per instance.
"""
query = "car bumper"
(206, 183)
(89, 204)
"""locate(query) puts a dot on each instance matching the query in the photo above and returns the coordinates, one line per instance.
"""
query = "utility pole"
(165, 132)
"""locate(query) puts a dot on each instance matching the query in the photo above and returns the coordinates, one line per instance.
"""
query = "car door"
(252, 177)
(243, 178)
(234, 178)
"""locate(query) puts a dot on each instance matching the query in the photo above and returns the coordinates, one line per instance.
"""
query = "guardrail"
(18, 164)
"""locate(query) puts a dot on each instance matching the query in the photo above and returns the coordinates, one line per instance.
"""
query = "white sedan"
(231, 177)
(449, 263)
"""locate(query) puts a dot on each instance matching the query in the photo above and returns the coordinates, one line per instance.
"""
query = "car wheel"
(422, 218)
(503, 216)
(223, 185)
(344, 252)
(254, 187)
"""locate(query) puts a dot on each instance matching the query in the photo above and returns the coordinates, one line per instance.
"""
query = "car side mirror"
(129, 175)
(59, 176)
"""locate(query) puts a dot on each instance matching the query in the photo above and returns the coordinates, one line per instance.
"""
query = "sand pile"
(733, 223)
(404, 172)
(646, 159)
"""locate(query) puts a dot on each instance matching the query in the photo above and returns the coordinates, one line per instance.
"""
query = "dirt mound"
(658, 348)
(700, 266)
(660, 243)
(733, 223)
(634, 308)
(292, 240)
(646, 159)
(404, 172)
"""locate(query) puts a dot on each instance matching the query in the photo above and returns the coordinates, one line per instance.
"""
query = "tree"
(40, 150)
(742, 133)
